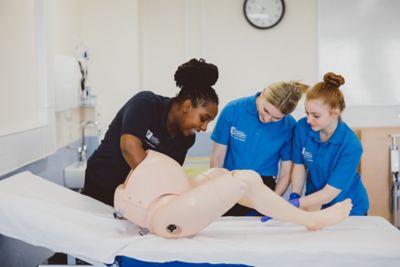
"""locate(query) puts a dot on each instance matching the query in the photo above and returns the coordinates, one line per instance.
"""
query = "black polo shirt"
(144, 116)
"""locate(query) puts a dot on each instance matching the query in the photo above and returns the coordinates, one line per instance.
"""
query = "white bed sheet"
(45, 214)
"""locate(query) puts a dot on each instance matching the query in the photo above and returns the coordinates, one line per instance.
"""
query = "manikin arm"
(284, 177)
(218, 155)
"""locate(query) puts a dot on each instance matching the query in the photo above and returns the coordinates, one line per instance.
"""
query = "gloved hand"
(265, 219)
(295, 202)
(293, 199)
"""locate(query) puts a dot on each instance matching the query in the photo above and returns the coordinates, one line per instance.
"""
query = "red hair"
(329, 91)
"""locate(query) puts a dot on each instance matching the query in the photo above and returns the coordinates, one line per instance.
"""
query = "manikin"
(159, 198)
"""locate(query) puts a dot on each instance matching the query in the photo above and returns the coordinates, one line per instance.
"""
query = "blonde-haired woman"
(255, 133)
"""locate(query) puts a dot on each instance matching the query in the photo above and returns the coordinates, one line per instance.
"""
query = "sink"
(74, 175)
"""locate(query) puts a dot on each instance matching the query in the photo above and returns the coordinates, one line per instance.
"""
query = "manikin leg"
(189, 213)
(207, 176)
(265, 201)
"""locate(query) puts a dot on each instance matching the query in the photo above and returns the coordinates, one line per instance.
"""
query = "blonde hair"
(329, 91)
(285, 95)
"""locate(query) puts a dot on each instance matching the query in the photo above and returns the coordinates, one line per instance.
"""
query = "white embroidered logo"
(307, 155)
(151, 139)
(239, 135)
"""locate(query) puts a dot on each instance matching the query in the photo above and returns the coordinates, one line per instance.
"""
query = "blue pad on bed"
(130, 262)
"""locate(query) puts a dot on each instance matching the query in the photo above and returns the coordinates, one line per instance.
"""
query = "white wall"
(46, 29)
(361, 40)
(369, 59)
(110, 31)
(20, 63)
(63, 38)
(137, 45)
(250, 59)
(25, 121)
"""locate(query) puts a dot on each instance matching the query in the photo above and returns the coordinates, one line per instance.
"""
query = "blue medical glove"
(294, 201)
(293, 195)
(265, 219)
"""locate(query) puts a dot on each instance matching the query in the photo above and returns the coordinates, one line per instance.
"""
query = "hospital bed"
(45, 214)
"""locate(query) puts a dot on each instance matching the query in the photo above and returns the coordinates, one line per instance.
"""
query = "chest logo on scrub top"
(307, 155)
(239, 135)
(151, 140)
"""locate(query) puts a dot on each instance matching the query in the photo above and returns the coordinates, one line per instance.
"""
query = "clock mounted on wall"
(264, 14)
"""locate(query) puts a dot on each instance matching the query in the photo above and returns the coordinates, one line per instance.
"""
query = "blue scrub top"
(333, 162)
(250, 143)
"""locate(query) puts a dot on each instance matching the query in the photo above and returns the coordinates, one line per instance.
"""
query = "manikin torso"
(145, 188)
(159, 198)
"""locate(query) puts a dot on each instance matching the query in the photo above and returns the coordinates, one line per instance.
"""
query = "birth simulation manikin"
(159, 198)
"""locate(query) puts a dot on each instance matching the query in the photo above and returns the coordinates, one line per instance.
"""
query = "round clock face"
(264, 14)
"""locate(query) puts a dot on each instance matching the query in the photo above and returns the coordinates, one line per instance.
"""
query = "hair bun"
(196, 73)
(334, 79)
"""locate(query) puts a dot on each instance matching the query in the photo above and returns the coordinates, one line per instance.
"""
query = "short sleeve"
(346, 166)
(221, 132)
(297, 145)
(138, 116)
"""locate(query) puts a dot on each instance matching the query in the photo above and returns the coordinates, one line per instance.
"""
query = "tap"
(83, 148)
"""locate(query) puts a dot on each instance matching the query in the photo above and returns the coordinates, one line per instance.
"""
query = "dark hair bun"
(333, 79)
(196, 73)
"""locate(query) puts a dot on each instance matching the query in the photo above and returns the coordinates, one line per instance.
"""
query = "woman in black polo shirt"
(150, 121)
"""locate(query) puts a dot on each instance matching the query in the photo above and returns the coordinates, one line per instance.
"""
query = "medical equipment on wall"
(394, 167)
(87, 98)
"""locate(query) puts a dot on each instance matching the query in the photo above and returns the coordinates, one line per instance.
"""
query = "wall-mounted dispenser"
(87, 98)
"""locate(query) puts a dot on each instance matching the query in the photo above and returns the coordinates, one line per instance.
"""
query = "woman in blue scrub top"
(255, 133)
(326, 152)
